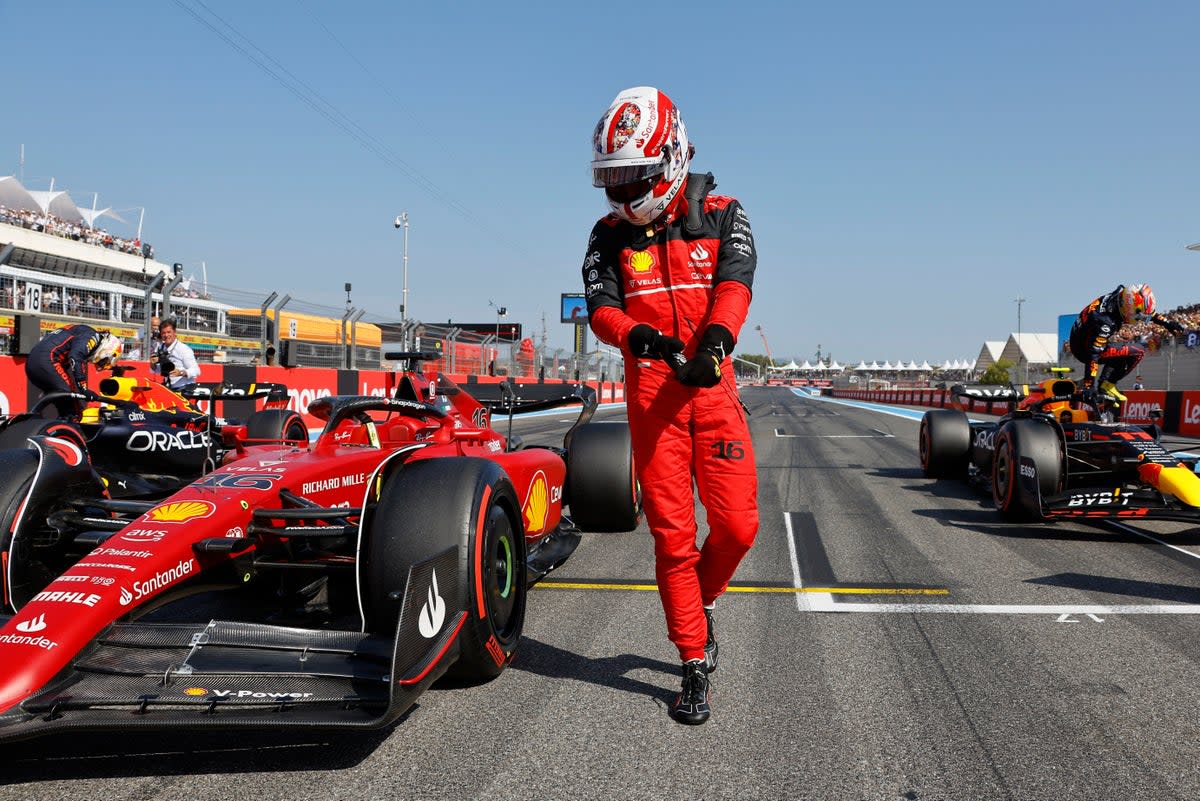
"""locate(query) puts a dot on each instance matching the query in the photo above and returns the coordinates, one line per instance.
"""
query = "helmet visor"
(626, 174)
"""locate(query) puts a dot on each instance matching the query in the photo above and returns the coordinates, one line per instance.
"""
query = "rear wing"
(986, 392)
(513, 399)
(230, 390)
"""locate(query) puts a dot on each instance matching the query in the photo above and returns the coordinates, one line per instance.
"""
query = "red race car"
(296, 586)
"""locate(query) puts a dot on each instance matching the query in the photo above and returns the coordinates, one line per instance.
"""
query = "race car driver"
(59, 361)
(667, 277)
(1092, 333)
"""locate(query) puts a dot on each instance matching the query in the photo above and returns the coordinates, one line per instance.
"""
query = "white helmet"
(641, 154)
(107, 351)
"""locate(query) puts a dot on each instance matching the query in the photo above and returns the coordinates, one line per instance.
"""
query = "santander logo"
(433, 612)
(35, 624)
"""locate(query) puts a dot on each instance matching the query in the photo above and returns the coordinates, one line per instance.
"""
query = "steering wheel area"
(334, 409)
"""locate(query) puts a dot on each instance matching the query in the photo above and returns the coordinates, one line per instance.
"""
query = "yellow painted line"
(575, 585)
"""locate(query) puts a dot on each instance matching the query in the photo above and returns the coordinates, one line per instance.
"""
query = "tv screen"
(574, 309)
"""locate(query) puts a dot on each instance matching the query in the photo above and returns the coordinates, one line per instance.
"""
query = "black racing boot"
(710, 645)
(691, 705)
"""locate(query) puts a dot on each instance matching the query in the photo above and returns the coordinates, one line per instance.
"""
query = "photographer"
(173, 360)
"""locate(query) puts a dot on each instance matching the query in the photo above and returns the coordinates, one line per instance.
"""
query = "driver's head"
(640, 154)
(107, 352)
(1137, 302)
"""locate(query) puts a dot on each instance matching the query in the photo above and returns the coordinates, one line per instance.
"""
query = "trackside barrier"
(1181, 410)
(305, 384)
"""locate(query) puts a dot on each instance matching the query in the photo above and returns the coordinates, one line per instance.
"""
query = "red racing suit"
(692, 269)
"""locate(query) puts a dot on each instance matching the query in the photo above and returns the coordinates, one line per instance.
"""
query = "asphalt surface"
(888, 638)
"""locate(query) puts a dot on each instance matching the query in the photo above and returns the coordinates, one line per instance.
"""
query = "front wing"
(228, 674)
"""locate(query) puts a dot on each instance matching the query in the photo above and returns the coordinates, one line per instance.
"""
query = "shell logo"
(537, 505)
(180, 511)
(641, 262)
(195, 691)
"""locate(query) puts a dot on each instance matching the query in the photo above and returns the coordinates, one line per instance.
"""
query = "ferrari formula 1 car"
(294, 586)
(1052, 457)
(147, 441)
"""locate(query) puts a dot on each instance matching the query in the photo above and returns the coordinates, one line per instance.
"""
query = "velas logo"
(180, 512)
(641, 262)
(537, 505)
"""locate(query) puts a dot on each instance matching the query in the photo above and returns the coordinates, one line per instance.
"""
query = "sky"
(910, 169)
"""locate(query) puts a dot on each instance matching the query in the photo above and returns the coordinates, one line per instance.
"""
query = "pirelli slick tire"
(603, 493)
(276, 425)
(1027, 466)
(428, 506)
(945, 444)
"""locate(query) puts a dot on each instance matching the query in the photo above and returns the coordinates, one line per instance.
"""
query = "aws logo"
(641, 262)
(180, 512)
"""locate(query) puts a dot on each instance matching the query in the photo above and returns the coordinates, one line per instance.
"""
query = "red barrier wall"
(305, 384)
(1181, 410)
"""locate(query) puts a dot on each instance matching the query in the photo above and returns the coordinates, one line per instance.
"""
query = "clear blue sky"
(909, 168)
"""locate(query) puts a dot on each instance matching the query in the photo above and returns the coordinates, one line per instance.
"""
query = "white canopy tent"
(56, 202)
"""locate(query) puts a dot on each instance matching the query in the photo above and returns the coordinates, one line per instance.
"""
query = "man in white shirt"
(174, 360)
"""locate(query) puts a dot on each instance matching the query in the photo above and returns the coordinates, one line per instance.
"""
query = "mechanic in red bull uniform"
(59, 361)
(1091, 342)
(667, 276)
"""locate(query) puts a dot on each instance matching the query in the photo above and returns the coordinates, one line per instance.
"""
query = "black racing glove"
(646, 342)
(704, 369)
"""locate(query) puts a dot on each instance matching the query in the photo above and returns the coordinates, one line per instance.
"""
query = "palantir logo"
(433, 612)
(30, 626)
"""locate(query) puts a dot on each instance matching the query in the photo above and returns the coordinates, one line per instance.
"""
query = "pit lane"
(852, 701)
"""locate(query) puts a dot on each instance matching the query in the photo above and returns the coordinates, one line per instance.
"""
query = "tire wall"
(1181, 410)
(305, 384)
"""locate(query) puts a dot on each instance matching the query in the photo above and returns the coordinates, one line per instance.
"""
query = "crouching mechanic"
(667, 275)
(59, 361)
(1104, 361)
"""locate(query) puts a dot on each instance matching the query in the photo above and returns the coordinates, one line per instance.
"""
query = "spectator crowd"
(51, 224)
(1153, 336)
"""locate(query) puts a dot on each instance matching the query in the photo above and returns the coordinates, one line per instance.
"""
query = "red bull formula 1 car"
(296, 586)
(1056, 454)
(144, 440)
